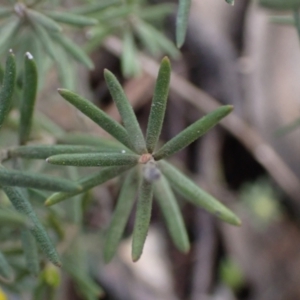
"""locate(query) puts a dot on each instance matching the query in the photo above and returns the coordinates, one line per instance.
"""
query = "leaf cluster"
(37, 28)
(135, 22)
(147, 171)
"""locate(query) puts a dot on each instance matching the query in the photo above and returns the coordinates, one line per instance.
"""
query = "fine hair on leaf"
(125, 109)
(94, 159)
(30, 84)
(193, 132)
(88, 183)
(22, 205)
(97, 115)
(172, 214)
(159, 103)
(142, 219)
(121, 214)
(39, 181)
(191, 192)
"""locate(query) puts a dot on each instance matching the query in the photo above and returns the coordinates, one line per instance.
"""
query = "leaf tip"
(29, 55)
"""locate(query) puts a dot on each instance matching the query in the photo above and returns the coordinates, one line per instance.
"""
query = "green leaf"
(154, 12)
(280, 4)
(94, 159)
(120, 216)
(41, 19)
(38, 181)
(159, 40)
(129, 62)
(182, 21)
(84, 283)
(66, 69)
(6, 272)
(142, 219)
(297, 21)
(1, 75)
(44, 151)
(172, 214)
(193, 132)
(6, 12)
(30, 84)
(8, 86)
(71, 19)
(97, 115)
(88, 183)
(231, 2)
(102, 143)
(125, 109)
(95, 7)
(147, 37)
(30, 252)
(9, 29)
(46, 41)
(96, 37)
(73, 50)
(282, 20)
(12, 218)
(159, 104)
(189, 190)
(22, 205)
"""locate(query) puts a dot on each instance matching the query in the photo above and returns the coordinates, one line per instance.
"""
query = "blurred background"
(241, 55)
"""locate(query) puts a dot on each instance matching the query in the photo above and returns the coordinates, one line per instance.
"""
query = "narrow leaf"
(44, 151)
(12, 218)
(46, 41)
(193, 132)
(22, 205)
(8, 30)
(130, 66)
(156, 12)
(41, 19)
(88, 183)
(120, 216)
(30, 84)
(280, 4)
(73, 50)
(231, 2)
(147, 38)
(161, 44)
(30, 252)
(6, 272)
(97, 115)
(95, 7)
(38, 181)
(83, 281)
(142, 219)
(189, 190)
(94, 159)
(135, 134)
(6, 12)
(8, 86)
(172, 214)
(182, 21)
(282, 20)
(1, 75)
(159, 104)
(91, 140)
(71, 19)
(297, 22)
